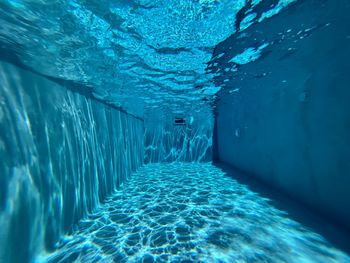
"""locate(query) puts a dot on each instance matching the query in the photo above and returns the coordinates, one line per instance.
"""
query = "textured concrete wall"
(285, 118)
(61, 155)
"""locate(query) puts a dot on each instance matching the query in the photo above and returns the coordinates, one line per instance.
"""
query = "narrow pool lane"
(185, 212)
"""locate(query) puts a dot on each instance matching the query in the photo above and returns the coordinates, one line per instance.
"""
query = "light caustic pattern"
(191, 213)
(171, 143)
(59, 158)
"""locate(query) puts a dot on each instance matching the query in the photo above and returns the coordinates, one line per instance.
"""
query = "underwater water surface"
(140, 55)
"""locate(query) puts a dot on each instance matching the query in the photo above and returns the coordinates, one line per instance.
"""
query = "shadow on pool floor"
(186, 212)
(309, 217)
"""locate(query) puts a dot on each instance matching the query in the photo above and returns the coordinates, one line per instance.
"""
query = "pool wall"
(167, 142)
(288, 120)
(61, 155)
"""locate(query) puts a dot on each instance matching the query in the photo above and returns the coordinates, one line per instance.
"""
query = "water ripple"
(129, 51)
(185, 212)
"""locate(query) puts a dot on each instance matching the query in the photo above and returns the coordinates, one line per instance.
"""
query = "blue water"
(109, 116)
(139, 55)
(183, 212)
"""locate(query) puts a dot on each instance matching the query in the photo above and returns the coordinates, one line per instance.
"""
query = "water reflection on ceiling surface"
(139, 55)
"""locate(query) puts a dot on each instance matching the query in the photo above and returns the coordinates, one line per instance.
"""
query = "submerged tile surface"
(185, 212)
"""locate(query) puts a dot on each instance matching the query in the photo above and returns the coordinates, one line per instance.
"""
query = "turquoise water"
(109, 139)
(184, 212)
(139, 55)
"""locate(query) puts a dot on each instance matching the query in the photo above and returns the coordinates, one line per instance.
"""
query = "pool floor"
(185, 212)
